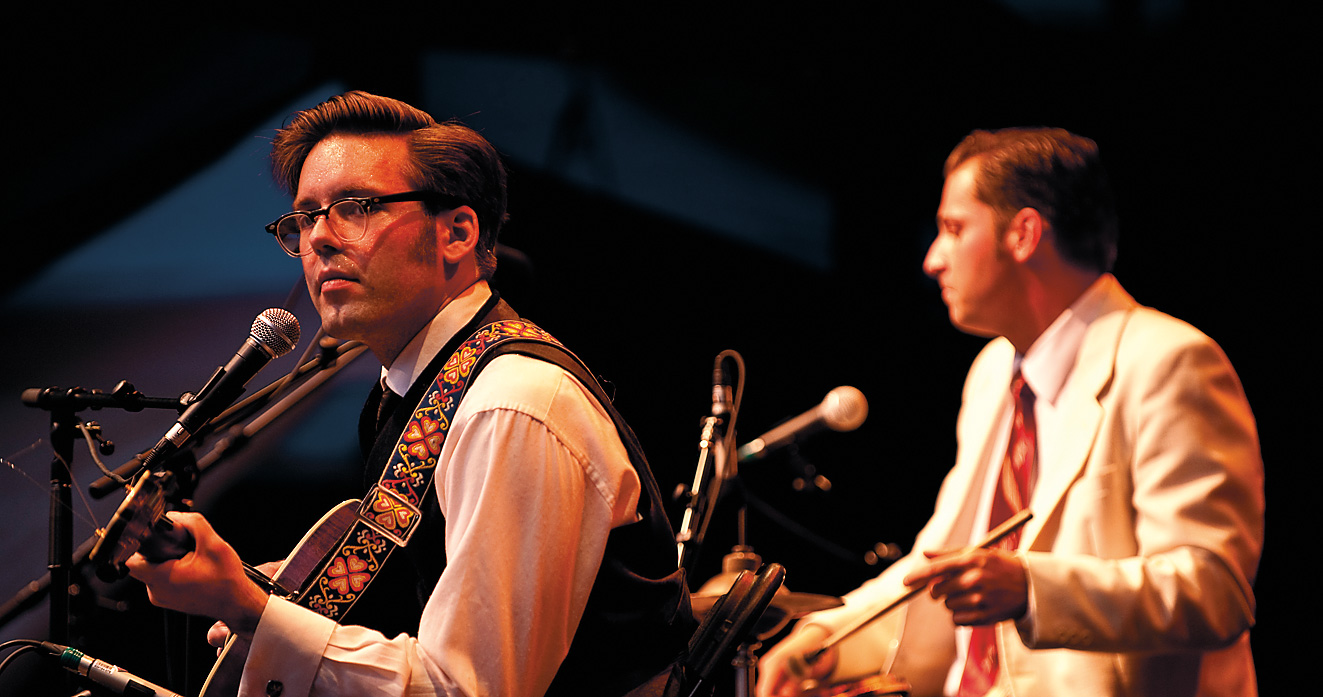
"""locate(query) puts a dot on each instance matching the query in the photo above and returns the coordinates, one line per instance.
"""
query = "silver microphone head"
(844, 409)
(276, 330)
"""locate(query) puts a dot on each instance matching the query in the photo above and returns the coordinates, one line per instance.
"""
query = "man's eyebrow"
(356, 192)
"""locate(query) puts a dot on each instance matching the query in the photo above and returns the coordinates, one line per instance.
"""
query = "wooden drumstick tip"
(797, 666)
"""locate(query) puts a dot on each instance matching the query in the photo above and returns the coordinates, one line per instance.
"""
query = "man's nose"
(932, 261)
(320, 235)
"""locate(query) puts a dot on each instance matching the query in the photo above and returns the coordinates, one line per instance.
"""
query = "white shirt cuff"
(287, 649)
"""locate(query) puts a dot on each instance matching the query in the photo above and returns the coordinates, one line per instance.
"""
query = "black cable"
(24, 646)
(804, 533)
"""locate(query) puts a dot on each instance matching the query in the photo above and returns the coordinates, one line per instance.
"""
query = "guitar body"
(293, 573)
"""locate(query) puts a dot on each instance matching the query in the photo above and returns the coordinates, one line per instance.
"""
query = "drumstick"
(996, 534)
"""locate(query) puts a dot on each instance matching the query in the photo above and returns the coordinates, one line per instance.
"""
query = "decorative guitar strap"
(390, 512)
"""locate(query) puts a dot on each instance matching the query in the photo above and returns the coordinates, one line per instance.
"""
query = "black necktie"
(389, 402)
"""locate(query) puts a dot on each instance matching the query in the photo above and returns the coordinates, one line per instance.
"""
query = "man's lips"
(331, 285)
(330, 281)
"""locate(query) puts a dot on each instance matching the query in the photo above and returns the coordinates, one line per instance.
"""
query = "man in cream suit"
(1133, 447)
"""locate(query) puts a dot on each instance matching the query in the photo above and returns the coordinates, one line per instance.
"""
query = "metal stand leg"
(746, 663)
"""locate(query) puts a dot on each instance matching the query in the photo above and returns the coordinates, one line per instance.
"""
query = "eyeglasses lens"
(348, 220)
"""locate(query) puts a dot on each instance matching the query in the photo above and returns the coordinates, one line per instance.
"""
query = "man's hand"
(219, 632)
(208, 581)
(981, 586)
(783, 671)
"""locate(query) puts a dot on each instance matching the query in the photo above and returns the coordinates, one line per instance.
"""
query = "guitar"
(140, 524)
(293, 573)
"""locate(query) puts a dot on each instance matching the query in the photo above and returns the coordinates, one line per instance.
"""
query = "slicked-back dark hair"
(1055, 172)
(447, 157)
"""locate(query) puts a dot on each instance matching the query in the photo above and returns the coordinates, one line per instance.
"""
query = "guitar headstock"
(139, 524)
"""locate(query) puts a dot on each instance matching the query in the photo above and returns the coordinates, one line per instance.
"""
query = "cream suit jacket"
(1146, 534)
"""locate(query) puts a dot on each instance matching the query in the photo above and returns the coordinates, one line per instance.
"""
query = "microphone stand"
(331, 360)
(714, 464)
(321, 370)
(715, 471)
(64, 406)
(702, 493)
(59, 557)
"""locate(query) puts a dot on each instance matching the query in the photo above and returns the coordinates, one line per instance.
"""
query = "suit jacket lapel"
(984, 402)
(1082, 412)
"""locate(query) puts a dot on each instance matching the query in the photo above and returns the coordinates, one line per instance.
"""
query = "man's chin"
(971, 326)
(338, 324)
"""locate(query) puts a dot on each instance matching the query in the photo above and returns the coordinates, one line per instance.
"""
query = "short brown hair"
(1055, 172)
(447, 157)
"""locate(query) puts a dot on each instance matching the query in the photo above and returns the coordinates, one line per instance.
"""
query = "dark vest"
(637, 620)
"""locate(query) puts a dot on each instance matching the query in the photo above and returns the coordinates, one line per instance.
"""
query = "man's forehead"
(343, 165)
(965, 176)
(960, 190)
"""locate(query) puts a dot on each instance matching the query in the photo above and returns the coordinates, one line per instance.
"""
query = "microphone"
(274, 333)
(843, 409)
(721, 389)
(117, 680)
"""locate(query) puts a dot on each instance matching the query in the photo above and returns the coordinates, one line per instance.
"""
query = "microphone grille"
(277, 329)
(844, 408)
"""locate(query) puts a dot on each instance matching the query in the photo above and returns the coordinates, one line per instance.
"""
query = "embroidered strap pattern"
(391, 511)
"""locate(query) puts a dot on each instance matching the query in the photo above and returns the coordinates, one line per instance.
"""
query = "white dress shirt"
(532, 478)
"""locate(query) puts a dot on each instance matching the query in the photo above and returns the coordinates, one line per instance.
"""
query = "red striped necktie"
(1010, 497)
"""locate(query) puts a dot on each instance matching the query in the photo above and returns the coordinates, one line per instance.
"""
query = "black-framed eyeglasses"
(348, 218)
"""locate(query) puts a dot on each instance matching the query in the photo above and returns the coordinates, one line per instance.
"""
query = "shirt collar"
(1049, 360)
(431, 338)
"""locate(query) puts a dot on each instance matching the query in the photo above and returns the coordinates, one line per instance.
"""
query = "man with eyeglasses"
(543, 562)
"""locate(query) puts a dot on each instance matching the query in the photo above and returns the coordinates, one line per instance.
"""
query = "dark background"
(1201, 110)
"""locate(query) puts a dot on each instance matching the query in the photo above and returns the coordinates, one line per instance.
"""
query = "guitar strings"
(90, 518)
(81, 494)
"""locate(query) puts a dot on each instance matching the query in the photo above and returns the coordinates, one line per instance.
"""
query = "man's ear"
(1024, 234)
(458, 233)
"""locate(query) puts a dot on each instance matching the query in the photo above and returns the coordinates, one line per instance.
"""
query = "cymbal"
(795, 605)
(785, 606)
